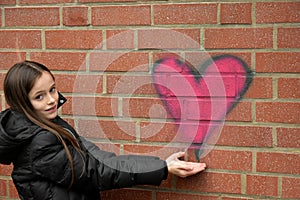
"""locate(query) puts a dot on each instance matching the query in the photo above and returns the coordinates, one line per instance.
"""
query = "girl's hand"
(183, 168)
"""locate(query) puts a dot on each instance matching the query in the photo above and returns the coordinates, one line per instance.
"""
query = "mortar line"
(219, 14)
(89, 16)
(137, 132)
(104, 84)
(244, 183)
(3, 17)
(275, 37)
(254, 158)
(279, 186)
(275, 87)
(274, 135)
(61, 23)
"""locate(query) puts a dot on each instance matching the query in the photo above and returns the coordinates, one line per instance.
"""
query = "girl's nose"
(51, 99)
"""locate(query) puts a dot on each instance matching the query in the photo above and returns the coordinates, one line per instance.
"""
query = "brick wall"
(92, 45)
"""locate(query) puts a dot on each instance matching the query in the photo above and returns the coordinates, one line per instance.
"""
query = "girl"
(51, 161)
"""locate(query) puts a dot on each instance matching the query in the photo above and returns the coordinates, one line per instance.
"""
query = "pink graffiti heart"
(199, 101)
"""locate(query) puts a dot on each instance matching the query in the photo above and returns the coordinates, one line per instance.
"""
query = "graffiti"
(199, 99)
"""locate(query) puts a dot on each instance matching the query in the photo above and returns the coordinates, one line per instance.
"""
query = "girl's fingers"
(190, 166)
(192, 169)
(183, 168)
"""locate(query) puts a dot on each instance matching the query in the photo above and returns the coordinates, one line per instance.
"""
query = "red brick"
(288, 137)
(121, 15)
(262, 185)
(12, 190)
(158, 132)
(286, 62)
(3, 187)
(4, 2)
(289, 88)
(0, 16)
(260, 88)
(119, 39)
(277, 12)
(288, 37)
(127, 194)
(246, 136)
(8, 59)
(70, 121)
(241, 112)
(123, 84)
(21, 39)
(169, 39)
(194, 58)
(181, 132)
(57, 60)
(65, 83)
(211, 182)
(185, 14)
(236, 13)
(278, 163)
(6, 170)
(182, 196)
(165, 54)
(236, 198)
(73, 39)
(167, 183)
(229, 160)
(119, 61)
(91, 106)
(152, 150)
(277, 112)
(112, 130)
(141, 149)
(197, 59)
(79, 83)
(105, 1)
(238, 38)
(191, 34)
(144, 107)
(290, 188)
(75, 16)
(45, 1)
(44, 16)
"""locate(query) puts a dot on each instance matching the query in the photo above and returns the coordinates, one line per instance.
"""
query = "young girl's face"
(44, 97)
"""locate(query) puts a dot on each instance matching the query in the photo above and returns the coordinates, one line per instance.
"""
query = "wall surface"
(102, 54)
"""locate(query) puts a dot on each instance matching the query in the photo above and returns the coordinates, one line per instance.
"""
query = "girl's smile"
(52, 109)
(44, 97)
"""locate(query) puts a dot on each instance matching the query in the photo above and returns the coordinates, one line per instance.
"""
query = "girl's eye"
(53, 89)
(39, 97)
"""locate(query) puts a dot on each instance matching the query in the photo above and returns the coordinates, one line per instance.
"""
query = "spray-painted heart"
(198, 100)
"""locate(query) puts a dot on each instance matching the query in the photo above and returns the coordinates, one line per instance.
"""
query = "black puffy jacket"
(42, 170)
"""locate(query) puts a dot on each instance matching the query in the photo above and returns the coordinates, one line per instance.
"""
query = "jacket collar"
(61, 100)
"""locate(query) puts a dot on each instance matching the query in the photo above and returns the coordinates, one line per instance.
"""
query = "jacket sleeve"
(99, 169)
(125, 171)
(50, 161)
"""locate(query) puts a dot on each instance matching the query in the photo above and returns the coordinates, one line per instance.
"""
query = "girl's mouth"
(52, 109)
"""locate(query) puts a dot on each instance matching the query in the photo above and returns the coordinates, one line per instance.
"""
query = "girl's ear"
(61, 100)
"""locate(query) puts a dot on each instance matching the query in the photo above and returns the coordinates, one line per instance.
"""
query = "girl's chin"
(51, 116)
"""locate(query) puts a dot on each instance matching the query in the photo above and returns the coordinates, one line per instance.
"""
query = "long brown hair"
(18, 83)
